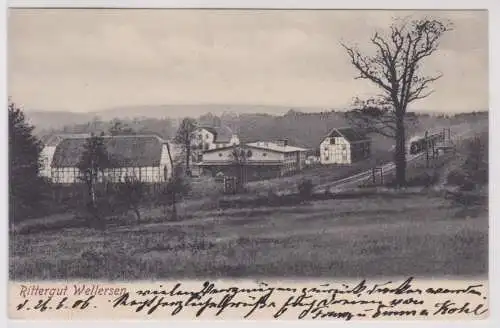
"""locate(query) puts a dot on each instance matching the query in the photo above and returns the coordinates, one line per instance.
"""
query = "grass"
(362, 237)
(320, 174)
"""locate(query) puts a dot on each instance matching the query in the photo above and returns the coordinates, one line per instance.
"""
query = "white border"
(281, 4)
(494, 26)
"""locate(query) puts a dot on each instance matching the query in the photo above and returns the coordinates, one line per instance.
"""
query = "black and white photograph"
(155, 144)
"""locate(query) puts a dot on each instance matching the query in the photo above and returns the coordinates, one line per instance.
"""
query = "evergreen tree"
(25, 185)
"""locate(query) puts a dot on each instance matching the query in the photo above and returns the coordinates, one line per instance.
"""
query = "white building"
(262, 159)
(207, 138)
(50, 143)
(144, 157)
(344, 146)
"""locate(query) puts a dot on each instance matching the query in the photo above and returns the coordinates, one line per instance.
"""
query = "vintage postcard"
(248, 164)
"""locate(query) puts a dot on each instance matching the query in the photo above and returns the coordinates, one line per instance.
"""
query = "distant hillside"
(303, 129)
(56, 120)
(179, 111)
(49, 120)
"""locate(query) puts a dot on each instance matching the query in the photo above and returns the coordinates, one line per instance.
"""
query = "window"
(343, 147)
(249, 154)
(207, 136)
(326, 158)
(326, 148)
(220, 154)
(332, 141)
(264, 154)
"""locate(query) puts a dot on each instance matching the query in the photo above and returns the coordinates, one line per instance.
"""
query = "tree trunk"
(138, 214)
(188, 158)
(92, 191)
(400, 152)
(242, 177)
(174, 206)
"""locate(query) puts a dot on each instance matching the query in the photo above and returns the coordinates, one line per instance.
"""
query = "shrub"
(305, 188)
(424, 179)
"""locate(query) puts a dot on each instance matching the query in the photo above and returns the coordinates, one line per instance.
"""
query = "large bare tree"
(396, 69)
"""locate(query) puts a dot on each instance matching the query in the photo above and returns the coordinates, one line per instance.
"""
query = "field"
(380, 235)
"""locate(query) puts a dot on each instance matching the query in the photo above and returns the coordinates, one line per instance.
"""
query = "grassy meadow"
(381, 235)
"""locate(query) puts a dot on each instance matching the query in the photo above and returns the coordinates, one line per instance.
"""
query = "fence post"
(373, 176)
(434, 155)
(381, 176)
(427, 148)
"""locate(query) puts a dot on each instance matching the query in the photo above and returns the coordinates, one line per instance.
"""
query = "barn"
(144, 157)
(50, 143)
(344, 146)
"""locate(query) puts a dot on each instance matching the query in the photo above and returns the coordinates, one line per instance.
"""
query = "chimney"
(282, 142)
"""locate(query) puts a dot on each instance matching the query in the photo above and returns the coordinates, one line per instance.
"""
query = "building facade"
(207, 138)
(50, 143)
(344, 146)
(260, 160)
(144, 157)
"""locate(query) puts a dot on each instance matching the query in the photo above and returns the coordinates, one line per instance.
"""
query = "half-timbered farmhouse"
(50, 143)
(344, 146)
(144, 157)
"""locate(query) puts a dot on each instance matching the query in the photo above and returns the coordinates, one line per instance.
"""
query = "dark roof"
(257, 145)
(222, 148)
(222, 134)
(124, 151)
(349, 134)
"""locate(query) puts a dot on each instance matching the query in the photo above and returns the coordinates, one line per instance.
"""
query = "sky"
(85, 60)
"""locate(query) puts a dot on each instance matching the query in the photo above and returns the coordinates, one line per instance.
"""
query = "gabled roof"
(221, 134)
(275, 147)
(350, 134)
(263, 145)
(124, 151)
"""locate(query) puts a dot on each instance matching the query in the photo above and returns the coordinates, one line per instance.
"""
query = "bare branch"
(366, 70)
(420, 85)
(396, 69)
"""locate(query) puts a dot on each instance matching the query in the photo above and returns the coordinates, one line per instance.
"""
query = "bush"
(474, 171)
(425, 179)
(305, 188)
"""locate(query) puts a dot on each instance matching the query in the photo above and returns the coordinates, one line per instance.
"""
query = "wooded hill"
(300, 128)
